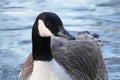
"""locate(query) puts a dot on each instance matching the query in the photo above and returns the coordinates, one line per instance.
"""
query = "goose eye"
(48, 23)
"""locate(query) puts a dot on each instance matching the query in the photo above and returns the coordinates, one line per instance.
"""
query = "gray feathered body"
(81, 58)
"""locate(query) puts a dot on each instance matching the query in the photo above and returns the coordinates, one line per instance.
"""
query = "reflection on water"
(17, 17)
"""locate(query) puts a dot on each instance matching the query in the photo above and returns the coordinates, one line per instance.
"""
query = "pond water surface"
(96, 16)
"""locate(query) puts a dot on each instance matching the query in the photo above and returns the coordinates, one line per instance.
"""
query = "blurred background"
(96, 16)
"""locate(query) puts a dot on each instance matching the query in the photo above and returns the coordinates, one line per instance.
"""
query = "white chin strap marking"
(43, 30)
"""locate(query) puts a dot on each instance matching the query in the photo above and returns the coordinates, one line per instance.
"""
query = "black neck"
(41, 48)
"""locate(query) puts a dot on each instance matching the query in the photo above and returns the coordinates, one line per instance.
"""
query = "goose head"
(49, 24)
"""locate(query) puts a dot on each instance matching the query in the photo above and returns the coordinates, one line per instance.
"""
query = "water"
(17, 18)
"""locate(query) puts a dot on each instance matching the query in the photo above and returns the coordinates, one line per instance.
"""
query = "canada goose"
(79, 59)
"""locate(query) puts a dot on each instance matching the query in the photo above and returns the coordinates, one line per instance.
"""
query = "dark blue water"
(96, 16)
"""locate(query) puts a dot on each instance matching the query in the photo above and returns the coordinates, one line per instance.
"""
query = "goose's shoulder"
(27, 68)
(83, 43)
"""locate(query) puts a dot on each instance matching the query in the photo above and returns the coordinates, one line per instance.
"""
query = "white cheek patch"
(43, 30)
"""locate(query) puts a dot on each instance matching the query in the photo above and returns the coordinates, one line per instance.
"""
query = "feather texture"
(81, 58)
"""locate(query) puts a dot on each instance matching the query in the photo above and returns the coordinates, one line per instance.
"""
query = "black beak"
(63, 33)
